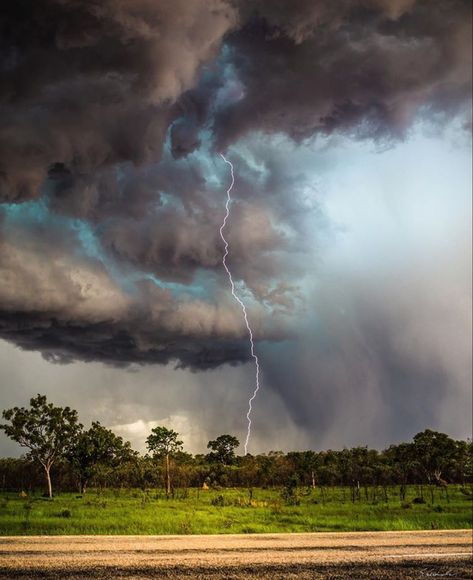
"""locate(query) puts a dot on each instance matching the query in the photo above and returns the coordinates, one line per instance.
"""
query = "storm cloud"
(112, 193)
(366, 68)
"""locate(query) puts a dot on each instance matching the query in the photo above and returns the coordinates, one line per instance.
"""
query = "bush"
(289, 493)
(218, 501)
(66, 513)
(418, 500)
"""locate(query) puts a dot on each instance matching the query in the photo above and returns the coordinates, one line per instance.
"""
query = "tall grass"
(230, 511)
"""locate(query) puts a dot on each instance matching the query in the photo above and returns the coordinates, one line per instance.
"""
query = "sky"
(349, 128)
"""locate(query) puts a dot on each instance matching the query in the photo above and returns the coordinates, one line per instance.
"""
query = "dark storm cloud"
(90, 83)
(70, 309)
(364, 67)
(116, 343)
(67, 304)
(90, 90)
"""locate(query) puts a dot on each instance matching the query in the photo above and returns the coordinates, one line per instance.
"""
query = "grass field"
(230, 511)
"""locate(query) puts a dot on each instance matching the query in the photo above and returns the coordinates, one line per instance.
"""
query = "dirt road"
(425, 554)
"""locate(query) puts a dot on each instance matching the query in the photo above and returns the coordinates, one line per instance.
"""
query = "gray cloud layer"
(86, 85)
(367, 68)
(89, 84)
(89, 93)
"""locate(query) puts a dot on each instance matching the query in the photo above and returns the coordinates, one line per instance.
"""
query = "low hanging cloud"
(75, 310)
(110, 187)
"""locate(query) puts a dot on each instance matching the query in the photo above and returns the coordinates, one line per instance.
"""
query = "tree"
(401, 459)
(223, 449)
(305, 464)
(96, 446)
(47, 431)
(164, 443)
(463, 461)
(434, 452)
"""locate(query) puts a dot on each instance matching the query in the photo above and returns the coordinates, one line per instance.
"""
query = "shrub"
(418, 500)
(289, 493)
(218, 501)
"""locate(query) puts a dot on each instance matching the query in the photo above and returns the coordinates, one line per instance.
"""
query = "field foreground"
(313, 555)
(233, 511)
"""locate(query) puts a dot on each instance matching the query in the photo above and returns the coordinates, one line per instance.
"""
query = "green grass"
(136, 512)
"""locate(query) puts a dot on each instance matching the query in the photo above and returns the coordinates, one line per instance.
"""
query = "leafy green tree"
(434, 453)
(305, 464)
(289, 492)
(46, 431)
(164, 443)
(327, 471)
(401, 459)
(463, 461)
(96, 446)
(223, 450)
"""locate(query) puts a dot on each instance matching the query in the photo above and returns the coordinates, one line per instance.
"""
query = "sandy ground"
(426, 554)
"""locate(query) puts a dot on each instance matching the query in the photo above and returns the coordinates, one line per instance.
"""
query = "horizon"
(142, 449)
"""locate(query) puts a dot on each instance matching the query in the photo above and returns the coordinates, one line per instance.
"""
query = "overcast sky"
(349, 129)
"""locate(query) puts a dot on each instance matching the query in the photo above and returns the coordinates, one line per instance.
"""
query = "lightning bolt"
(242, 305)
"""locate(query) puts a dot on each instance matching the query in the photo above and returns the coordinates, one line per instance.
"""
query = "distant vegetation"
(426, 483)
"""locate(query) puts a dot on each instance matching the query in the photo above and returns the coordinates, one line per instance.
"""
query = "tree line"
(60, 449)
